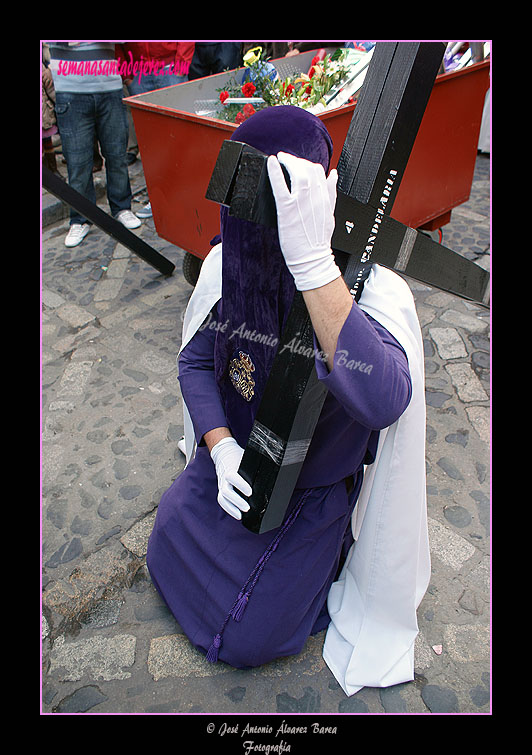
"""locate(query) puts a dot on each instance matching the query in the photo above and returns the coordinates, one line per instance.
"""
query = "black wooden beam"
(106, 222)
(405, 250)
(363, 232)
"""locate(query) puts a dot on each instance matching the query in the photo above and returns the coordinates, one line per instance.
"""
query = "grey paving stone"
(98, 658)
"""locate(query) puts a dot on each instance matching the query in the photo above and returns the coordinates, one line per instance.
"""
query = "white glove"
(226, 455)
(305, 219)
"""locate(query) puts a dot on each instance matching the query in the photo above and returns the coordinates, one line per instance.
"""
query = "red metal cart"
(179, 149)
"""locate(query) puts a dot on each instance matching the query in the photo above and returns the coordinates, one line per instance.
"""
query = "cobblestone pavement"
(111, 419)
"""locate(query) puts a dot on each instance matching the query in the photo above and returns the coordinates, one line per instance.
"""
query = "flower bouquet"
(261, 86)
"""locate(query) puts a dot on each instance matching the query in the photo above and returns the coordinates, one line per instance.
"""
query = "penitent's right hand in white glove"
(226, 455)
(305, 219)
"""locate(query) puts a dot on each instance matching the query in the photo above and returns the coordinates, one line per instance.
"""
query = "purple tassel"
(212, 655)
(240, 607)
(243, 597)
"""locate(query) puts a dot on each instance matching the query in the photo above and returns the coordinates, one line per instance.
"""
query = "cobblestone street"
(111, 420)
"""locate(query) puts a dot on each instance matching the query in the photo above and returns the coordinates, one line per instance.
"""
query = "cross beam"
(372, 163)
(106, 222)
(362, 231)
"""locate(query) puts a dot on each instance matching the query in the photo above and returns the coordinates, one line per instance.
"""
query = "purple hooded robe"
(238, 596)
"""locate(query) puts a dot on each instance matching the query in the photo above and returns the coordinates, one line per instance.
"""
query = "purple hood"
(257, 287)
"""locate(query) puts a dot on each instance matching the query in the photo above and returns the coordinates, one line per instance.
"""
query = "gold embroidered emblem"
(240, 369)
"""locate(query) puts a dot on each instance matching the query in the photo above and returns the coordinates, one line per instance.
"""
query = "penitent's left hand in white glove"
(227, 455)
(305, 219)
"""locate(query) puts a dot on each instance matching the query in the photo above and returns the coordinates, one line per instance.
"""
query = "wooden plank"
(106, 222)
(405, 250)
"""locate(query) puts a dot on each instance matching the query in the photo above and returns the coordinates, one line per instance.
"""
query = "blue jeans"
(151, 81)
(81, 118)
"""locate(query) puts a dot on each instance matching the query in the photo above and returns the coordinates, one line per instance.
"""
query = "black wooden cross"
(380, 138)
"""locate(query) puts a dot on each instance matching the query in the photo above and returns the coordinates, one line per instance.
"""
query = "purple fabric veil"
(257, 287)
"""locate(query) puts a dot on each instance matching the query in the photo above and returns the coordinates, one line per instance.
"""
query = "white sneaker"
(181, 445)
(76, 234)
(127, 218)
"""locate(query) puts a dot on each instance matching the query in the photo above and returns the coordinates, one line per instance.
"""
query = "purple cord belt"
(239, 606)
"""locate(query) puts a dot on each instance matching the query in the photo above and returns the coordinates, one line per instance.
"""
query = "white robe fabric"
(370, 640)
(207, 292)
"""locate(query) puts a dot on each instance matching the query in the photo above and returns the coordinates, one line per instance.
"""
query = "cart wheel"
(191, 268)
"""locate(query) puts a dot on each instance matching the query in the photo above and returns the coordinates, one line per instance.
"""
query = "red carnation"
(248, 110)
(239, 117)
(248, 89)
(223, 96)
(289, 89)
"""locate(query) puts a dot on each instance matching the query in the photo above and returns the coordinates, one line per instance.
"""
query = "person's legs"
(147, 83)
(214, 57)
(201, 64)
(76, 122)
(227, 56)
(112, 132)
